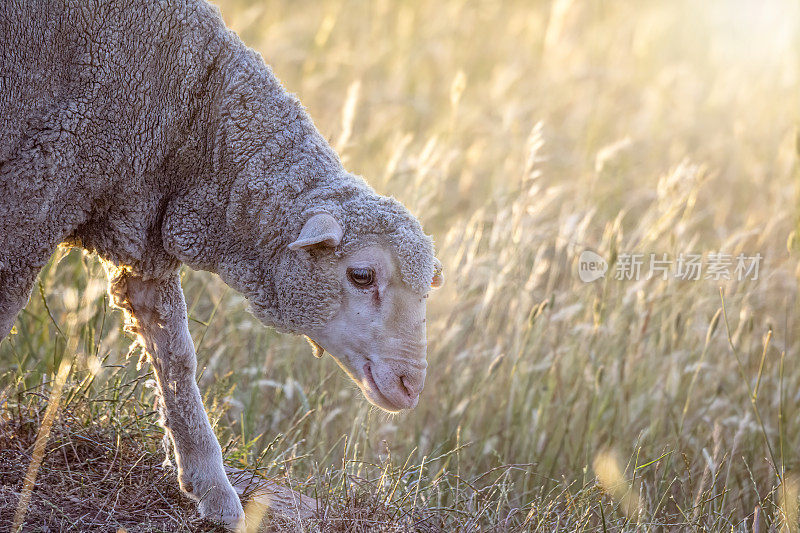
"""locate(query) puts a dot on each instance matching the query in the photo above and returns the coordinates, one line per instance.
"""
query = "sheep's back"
(102, 91)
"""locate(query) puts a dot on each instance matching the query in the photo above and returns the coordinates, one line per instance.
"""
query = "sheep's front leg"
(159, 317)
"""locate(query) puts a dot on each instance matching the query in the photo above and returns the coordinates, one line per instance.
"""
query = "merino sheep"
(147, 132)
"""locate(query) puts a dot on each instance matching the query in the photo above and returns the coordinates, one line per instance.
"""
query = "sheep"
(148, 133)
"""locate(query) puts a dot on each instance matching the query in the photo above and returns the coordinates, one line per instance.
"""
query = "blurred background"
(522, 133)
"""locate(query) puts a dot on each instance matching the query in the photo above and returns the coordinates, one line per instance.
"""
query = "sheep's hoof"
(222, 505)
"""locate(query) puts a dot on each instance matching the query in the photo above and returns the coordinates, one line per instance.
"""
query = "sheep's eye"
(361, 277)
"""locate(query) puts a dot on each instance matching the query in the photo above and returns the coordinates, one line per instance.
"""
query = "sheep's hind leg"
(20, 265)
(40, 206)
(158, 315)
(15, 290)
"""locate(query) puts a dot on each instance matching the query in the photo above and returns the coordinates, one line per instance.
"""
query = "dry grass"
(93, 477)
(521, 133)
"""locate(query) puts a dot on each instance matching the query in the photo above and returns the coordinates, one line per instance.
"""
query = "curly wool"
(369, 217)
(149, 133)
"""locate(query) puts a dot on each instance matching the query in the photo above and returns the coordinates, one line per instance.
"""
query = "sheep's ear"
(438, 274)
(321, 229)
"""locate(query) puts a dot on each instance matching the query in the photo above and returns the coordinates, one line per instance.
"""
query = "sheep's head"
(340, 264)
(363, 298)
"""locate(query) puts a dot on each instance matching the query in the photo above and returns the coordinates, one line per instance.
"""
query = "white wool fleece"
(149, 133)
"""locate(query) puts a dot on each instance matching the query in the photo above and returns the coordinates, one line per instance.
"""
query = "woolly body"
(149, 133)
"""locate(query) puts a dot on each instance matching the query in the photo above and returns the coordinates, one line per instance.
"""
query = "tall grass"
(523, 133)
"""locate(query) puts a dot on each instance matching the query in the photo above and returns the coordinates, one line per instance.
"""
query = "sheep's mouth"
(361, 374)
(373, 392)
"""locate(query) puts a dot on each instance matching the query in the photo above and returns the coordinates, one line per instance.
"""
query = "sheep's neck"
(252, 130)
(253, 149)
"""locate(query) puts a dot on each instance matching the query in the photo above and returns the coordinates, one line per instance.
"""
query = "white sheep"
(147, 132)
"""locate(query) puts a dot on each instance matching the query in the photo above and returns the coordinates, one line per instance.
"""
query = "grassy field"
(521, 133)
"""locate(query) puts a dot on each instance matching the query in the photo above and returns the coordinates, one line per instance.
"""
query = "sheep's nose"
(412, 384)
